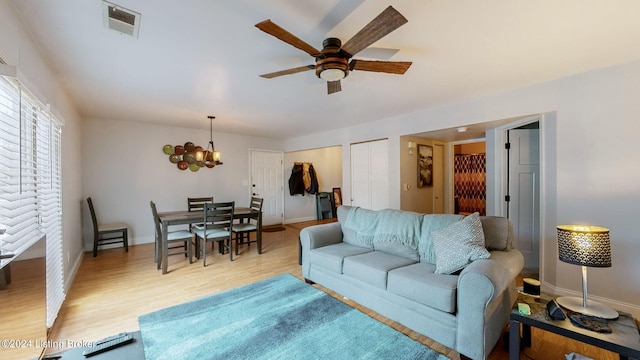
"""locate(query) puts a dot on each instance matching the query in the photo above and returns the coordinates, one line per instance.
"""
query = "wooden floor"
(112, 290)
(23, 311)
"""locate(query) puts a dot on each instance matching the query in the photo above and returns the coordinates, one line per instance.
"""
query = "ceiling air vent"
(120, 19)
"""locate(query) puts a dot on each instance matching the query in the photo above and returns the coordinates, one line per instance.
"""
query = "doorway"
(470, 178)
(267, 174)
(523, 191)
(494, 133)
(438, 178)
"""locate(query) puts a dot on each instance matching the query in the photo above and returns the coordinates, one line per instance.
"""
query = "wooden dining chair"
(180, 237)
(197, 204)
(251, 226)
(216, 227)
(107, 234)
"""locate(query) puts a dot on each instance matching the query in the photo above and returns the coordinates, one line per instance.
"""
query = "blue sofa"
(393, 262)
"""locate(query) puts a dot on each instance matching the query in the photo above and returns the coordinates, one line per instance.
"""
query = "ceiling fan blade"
(273, 29)
(388, 20)
(391, 67)
(288, 71)
(333, 87)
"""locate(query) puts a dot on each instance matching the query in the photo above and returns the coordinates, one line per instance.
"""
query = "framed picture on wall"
(425, 165)
(337, 196)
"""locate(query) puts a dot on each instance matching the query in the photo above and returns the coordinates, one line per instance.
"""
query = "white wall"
(124, 169)
(18, 49)
(327, 163)
(594, 139)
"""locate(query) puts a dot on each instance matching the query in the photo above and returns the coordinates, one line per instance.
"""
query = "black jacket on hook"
(313, 188)
(296, 184)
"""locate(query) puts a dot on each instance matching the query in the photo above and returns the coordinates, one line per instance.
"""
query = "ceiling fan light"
(332, 68)
(332, 74)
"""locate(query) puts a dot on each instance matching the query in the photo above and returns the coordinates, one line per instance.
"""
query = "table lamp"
(586, 246)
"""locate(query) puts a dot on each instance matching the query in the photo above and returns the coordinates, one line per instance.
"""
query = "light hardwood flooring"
(23, 311)
(113, 289)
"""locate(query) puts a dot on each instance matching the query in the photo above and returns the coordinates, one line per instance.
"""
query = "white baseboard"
(71, 275)
(308, 218)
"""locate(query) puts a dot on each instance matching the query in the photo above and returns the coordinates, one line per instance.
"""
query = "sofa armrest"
(316, 236)
(486, 293)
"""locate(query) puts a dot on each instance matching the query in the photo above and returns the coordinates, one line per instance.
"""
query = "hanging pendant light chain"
(211, 131)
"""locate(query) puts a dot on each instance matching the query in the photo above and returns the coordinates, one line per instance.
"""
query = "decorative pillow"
(457, 245)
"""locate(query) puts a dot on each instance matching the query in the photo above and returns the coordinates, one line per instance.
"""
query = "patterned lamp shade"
(584, 245)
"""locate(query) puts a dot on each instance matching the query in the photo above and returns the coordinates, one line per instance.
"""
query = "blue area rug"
(278, 318)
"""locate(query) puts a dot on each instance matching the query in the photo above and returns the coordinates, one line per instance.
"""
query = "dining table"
(185, 217)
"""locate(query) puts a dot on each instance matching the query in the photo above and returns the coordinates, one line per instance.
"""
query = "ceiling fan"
(332, 63)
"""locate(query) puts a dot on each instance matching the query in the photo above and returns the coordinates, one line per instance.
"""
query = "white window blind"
(18, 201)
(31, 184)
(50, 207)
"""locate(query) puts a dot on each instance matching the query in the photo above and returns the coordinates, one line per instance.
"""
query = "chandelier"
(192, 157)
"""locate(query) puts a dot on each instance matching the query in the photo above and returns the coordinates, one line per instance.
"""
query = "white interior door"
(524, 193)
(267, 183)
(360, 188)
(438, 179)
(370, 175)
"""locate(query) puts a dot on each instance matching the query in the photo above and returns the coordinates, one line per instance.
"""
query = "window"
(30, 184)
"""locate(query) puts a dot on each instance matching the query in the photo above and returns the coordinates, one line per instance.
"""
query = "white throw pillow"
(457, 245)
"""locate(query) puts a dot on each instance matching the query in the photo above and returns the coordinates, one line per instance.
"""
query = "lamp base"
(593, 308)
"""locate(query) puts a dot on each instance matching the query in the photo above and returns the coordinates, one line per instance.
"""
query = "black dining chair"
(243, 230)
(180, 237)
(216, 227)
(107, 234)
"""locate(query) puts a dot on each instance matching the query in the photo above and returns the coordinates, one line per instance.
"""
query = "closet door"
(370, 175)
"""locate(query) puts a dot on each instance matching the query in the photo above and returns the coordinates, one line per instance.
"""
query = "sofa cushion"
(395, 248)
(373, 267)
(419, 283)
(331, 257)
(459, 244)
(498, 232)
(348, 235)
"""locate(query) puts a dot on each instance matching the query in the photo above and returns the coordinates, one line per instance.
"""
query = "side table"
(623, 340)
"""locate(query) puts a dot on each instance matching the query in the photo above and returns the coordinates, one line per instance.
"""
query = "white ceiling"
(195, 58)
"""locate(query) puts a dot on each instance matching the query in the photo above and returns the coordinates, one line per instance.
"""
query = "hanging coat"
(305, 176)
(313, 180)
(296, 184)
